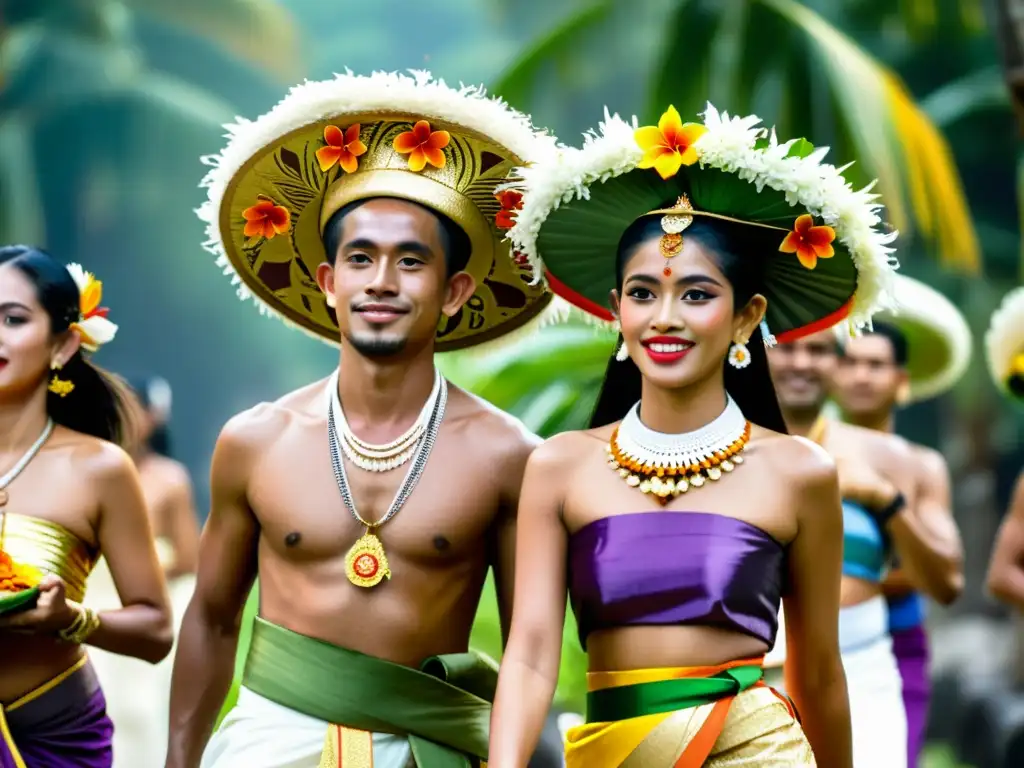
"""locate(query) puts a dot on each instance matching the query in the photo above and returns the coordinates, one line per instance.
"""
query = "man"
(879, 487)
(877, 371)
(1004, 345)
(370, 504)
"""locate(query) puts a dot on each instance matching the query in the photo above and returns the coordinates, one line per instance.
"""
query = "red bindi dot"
(667, 272)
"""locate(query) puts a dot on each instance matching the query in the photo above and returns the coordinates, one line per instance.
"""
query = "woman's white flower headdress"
(92, 325)
(827, 255)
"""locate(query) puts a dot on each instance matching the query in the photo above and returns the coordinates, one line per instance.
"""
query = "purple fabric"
(672, 567)
(66, 727)
(910, 646)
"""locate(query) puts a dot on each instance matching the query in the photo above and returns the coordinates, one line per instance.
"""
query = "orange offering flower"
(266, 219)
(809, 242)
(423, 146)
(669, 145)
(14, 577)
(511, 201)
(342, 148)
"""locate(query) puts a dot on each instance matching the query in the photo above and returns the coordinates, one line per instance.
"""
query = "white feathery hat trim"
(1005, 337)
(728, 145)
(921, 308)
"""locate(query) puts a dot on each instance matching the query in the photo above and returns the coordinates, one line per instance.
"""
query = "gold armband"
(86, 622)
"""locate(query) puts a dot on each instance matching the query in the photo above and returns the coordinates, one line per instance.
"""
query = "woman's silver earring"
(739, 355)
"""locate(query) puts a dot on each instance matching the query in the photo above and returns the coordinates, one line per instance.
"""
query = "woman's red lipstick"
(665, 350)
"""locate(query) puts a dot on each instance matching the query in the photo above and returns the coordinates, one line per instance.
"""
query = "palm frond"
(784, 62)
(262, 32)
(515, 83)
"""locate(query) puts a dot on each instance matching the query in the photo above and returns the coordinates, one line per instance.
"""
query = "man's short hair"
(454, 239)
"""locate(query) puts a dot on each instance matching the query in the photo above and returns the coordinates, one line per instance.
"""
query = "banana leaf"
(775, 58)
(263, 32)
(781, 60)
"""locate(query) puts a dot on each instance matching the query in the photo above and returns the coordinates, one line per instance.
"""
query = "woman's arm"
(529, 668)
(814, 669)
(182, 524)
(142, 628)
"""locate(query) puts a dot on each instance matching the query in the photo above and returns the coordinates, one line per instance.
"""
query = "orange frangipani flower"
(668, 145)
(342, 148)
(15, 577)
(266, 219)
(423, 146)
(809, 242)
(511, 201)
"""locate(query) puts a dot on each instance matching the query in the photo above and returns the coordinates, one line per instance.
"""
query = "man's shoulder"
(930, 460)
(884, 445)
(267, 421)
(490, 430)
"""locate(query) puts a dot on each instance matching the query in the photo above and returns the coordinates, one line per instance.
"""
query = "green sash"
(444, 707)
(625, 701)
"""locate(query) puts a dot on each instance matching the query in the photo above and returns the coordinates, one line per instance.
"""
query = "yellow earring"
(57, 385)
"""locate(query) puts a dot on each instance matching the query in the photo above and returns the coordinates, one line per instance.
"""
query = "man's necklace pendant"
(366, 565)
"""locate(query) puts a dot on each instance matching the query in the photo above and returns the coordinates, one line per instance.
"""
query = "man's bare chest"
(302, 514)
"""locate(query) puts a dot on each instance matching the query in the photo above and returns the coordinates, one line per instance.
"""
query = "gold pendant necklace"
(366, 564)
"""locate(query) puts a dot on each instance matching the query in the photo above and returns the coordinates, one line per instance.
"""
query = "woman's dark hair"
(145, 388)
(101, 404)
(737, 248)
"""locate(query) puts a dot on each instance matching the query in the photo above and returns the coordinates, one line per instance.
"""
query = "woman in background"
(138, 695)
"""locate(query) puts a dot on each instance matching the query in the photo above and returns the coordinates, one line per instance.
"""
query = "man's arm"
(503, 545)
(1006, 569)
(924, 534)
(205, 659)
(936, 530)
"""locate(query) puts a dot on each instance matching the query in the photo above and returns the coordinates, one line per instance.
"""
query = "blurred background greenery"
(106, 107)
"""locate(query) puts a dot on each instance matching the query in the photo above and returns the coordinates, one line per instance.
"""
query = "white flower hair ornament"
(92, 326)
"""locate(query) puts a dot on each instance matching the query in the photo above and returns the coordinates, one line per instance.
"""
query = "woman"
(647, 518)
(138, 694)
(69, 494)
(166, 484)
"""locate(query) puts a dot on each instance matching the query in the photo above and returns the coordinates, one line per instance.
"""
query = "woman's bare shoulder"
(795, 459)
(569, 448)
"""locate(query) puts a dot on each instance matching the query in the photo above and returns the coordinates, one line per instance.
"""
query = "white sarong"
(137, 692)
(877, 715)
(259, 733)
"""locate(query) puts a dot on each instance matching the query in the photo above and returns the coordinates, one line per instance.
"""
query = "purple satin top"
(673, 567)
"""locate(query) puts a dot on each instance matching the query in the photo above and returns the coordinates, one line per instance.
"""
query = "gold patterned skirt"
(741, 722)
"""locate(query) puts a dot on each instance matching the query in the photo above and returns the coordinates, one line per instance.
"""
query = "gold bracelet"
(86, 622)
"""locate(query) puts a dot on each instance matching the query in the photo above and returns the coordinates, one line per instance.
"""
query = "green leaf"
(260, 31)
(516, 82)
(800, 148)
(21, 210)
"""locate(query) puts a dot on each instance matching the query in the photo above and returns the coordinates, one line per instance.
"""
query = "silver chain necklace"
(366, 564)
(8, 477)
